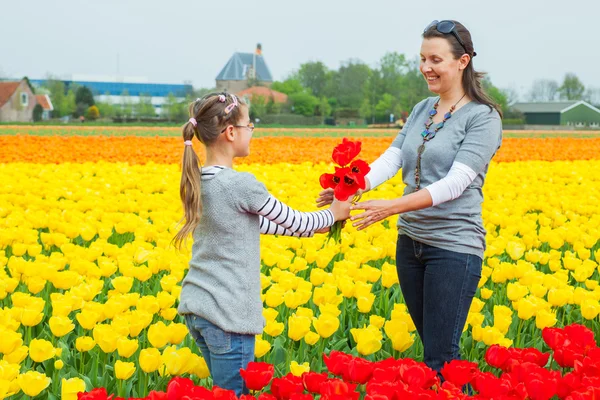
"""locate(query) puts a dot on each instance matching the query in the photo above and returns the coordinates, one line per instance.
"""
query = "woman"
(444, 150)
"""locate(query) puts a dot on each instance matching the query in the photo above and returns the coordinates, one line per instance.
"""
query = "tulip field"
(90, 282)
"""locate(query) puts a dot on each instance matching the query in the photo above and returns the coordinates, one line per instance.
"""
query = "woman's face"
(439, 67)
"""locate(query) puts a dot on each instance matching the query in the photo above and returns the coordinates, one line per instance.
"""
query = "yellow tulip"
(261, 347)
(486, 293)
(106, 337)
(10, 342)
(87, 319)
(17, 356)
(158, 335)
(590, 309)
(368, 340)
(31, 317)
(299, 369)
(84, 343)
(326, 325)
(8, 371)
(273, 328)
(377, 321)
(124, 370)
(545, 319)
(150, 360)
(200, 368)
(70, 387)
(41, 350)
(311, 338)
(32, 382)
(365, 303)
(298, 327)
(398, 332)
(126, 347)
(60, 326)
(177, 332)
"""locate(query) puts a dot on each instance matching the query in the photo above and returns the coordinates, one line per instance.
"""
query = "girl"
(226, 211)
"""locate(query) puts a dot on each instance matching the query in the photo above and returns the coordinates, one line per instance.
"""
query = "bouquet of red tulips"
(348, 179)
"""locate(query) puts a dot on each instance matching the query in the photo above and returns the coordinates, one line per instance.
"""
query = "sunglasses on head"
(447, 27)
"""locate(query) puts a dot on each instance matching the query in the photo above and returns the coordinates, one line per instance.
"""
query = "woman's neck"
(217, 156)
(453, 96)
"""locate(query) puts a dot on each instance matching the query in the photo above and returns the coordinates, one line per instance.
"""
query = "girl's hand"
(341, 209)
(328, 228)
(375, 211)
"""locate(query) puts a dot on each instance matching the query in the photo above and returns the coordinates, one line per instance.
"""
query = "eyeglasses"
(446, 27)
(249, 126)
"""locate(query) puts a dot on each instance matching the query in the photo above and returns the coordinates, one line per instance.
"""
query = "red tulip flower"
(345, 152)
(359, 370)
(459, 372)
(312, 381)
(337, 362)
(284, 387)
(257, 375)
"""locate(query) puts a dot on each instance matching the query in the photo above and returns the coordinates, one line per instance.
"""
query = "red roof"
(44, 101)
(265, 92)
(6, 91)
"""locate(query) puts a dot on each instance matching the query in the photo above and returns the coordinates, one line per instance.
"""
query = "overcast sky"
(517, 41)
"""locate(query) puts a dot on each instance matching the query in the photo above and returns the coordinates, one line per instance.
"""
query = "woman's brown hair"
(208, 118)
(471, 81)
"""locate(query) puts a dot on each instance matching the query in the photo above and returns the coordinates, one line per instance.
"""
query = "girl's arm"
(271, 228)
(278, 213)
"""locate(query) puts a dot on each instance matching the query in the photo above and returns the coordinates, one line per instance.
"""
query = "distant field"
(259, 132)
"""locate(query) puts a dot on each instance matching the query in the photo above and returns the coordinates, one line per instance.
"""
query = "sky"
(176, 41)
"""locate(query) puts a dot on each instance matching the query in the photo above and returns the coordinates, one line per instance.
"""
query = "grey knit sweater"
(222, 284)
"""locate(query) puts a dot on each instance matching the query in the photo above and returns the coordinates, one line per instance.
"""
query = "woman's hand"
(374, 211)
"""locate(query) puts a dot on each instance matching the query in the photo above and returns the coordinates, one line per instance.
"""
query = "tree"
(92, 113)
(84, 95)
(571, 88)
(314, 76)
(258, 107)
(70, 107)
(543, 90)
(592, 95)
(413, 87)
(144, 107)
(126, 104)
(349, 82)
(289, 86)
(392, 68)
(37, 113)
(56, 89)
(174, 110)
(304, 103)
(496, 94)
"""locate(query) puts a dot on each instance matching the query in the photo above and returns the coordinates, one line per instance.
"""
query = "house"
(44, 101)
(266, 93)
(17, 101)
(244, 70)
(576, 113)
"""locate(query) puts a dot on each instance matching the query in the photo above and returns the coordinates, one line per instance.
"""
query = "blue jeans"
(224, 352)
(438, 287)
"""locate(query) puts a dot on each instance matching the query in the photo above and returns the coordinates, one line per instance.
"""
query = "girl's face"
(439, 67)
(243, 134)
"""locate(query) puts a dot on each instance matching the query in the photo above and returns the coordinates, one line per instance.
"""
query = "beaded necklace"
(430, 134)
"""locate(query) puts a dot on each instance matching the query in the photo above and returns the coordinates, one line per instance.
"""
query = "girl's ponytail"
(189, 189)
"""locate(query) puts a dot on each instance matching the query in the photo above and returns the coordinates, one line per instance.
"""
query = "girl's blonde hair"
(209, 116)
